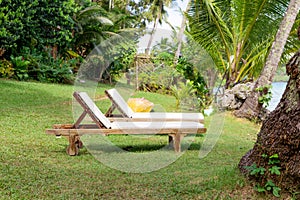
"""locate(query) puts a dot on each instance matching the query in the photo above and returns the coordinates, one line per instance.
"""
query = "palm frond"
(234, 30)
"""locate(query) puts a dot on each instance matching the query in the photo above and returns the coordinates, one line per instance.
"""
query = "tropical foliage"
(185, 79)
(42, 26)
(253, 106)
(48, 40)
(156, 14)
(92, 28)
(34, 43)
(237, 34)
(232, 32)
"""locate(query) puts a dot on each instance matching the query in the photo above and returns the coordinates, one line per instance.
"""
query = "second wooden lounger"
(126, 112)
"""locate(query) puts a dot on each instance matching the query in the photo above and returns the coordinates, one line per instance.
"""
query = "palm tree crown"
(237, 33)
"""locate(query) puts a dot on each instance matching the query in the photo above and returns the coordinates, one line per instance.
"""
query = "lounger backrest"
(91, 108)
(119, 102)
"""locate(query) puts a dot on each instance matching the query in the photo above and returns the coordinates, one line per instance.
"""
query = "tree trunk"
(111, 5)
(152, 36)
(280, 134)
(181, 31)
(251, 107)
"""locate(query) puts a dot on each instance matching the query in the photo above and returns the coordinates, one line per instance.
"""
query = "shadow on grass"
(142, 146)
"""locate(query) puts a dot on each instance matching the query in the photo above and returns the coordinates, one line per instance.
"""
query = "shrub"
(40, 66)
(192, 74)
(20, 66)
(6, 69)
(36, 23)
(56, 71)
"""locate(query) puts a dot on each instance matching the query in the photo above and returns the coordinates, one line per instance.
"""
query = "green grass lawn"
(35, 166)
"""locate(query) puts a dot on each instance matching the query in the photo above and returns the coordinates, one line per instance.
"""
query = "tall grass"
(34, 165)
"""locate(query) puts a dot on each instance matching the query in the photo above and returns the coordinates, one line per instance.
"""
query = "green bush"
(6, 69)
(192, 74)
(159, 74)
(123, 59)
(36, 23)
(40, 66)
(20, 66)
(56, 71)
(159, 79)
(162, 75)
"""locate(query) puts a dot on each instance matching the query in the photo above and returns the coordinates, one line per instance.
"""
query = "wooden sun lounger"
(102, 125)
(127, 113)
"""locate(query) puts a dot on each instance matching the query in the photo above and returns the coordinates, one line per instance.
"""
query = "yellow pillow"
(140, 104)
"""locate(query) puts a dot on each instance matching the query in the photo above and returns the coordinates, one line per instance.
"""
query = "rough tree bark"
(251, 107)
(280, 134)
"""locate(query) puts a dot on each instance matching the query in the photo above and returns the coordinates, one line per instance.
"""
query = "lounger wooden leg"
(175, 141)
(74, 145)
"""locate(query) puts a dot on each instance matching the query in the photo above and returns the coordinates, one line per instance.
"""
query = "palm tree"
(95, 24)
(163, 46)
(234, 33)
(279, 138)
(252, 107)
(111, 4)
(181, 31)
(92, 26)
(156, 13)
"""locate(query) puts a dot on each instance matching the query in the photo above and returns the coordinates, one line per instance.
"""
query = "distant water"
(277, 92)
